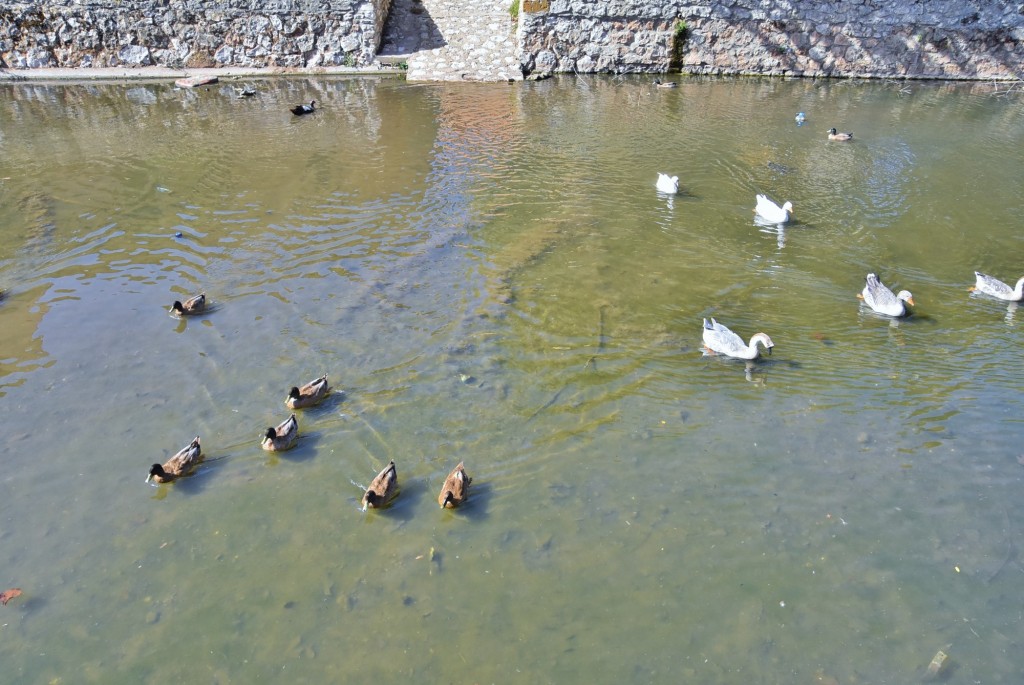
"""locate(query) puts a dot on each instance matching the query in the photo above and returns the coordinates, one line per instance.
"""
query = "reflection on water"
(487, 273)
(769, 228)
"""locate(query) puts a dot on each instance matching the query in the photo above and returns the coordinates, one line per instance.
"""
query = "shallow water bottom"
(488, 275)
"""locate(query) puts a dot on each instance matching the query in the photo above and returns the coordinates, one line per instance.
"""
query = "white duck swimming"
(996, 288)
(771, 212)
(882, 300)
(720, 340)
(667, 184)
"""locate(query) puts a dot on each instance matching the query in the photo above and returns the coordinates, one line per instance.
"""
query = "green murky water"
(487, 273)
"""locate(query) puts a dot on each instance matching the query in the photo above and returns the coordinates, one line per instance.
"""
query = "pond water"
(487, 274)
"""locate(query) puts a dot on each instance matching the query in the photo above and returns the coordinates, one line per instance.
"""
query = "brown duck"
(309, 394)
(455, 489)
(382, 488)
(282, 437)
(178, 465)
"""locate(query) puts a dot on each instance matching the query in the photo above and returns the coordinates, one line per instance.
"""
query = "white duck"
(667, 184)
(771, 212)
(882, 300)
(996, 288)
(720, 340)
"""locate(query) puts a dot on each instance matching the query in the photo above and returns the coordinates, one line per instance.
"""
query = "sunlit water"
(487, 273)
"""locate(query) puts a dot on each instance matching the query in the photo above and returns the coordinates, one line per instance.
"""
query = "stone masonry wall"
(949, 39)
(952, 39)
(190, 33)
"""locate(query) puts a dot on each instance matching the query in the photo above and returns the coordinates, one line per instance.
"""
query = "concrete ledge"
(169, 74)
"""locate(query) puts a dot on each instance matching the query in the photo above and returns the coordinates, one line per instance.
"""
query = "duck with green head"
(309, 394)
(178, 465)
(190, 307)
(282, 437)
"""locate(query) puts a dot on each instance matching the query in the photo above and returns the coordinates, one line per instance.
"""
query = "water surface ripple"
(487, 273)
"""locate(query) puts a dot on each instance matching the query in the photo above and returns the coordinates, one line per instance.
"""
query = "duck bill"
(910, 301)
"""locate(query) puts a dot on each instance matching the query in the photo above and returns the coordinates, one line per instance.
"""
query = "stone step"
(452, 40)
(195, 81)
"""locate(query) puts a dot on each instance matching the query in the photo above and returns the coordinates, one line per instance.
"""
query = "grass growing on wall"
(513, 10)
(680, 31)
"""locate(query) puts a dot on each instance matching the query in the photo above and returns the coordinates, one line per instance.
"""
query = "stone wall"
(950, 39)
(190, 33)
(953, 39)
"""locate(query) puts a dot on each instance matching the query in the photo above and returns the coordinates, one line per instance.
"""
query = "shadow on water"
(305, 446)
(325, 408)
(913, 318)
(476, 505)
(304, 450)
(407, 501)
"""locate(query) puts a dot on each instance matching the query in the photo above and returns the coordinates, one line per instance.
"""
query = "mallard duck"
(309, 394)
(720, 340)
(283, 437)
(771, 212)
(996, 288)
(882, 300)
(190, 307)
(665, 84)
(382, 488)
(667, 184)
(178, 465)
(836, 135)
(455, 489)
(299, 110)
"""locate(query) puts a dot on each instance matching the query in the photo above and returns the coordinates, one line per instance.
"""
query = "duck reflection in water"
(772, 228)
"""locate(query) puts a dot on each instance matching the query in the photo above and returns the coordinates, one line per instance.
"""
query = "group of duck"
(717, 337)
(249, 91)
(282, 437)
